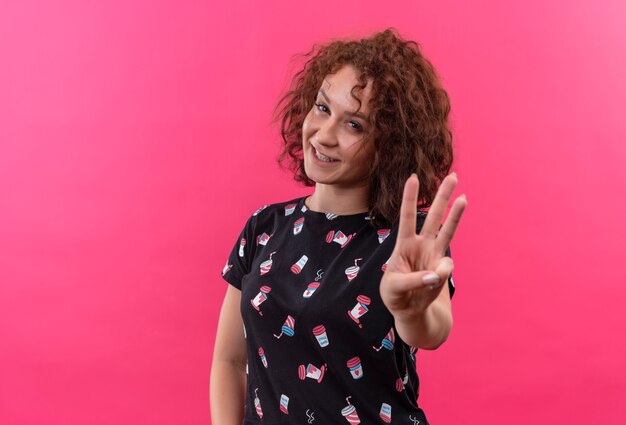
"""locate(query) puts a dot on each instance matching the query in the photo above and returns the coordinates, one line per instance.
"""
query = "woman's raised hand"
(416, 256)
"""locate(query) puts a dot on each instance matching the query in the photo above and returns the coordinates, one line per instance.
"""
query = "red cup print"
(262, 356)
(299, 265)
(385, 412)
(260, 209)
(311, 371)
(320, 335)
(226, 268)
(384, 266)
(257, 404)
(359, 309)
(310, 289)
(263, 239)
(260, 298)
(382, 235)
(289, 209)
(284, 403)
(354, 365)
(297, 226)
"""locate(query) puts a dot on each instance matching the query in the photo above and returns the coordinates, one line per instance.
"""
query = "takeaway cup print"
(311, 371)
(359, 309)
(260, 298)
(320, 335)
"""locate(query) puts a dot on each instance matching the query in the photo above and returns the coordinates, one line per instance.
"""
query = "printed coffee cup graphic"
(354, 365)
(320, 335)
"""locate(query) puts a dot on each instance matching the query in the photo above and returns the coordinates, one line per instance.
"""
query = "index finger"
(408, 208)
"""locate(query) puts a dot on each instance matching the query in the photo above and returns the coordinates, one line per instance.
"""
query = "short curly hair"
(408, 108)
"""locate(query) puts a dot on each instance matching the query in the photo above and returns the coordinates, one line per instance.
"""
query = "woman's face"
(333, 128)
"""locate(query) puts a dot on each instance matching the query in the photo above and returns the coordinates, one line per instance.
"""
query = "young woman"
(331, 295)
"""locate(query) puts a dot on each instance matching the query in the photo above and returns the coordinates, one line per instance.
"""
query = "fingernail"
(431, 278)
(454, 174)
(414, 175)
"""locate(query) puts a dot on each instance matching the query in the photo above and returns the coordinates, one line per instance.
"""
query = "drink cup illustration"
(331, 216)
(343, 240)
(304, 207)
(384, 266)
(382, 234)
(412, 353)
(297, 226)
(263, 238)
(356, 370)
(385, 412)
(311, 371)
(339, 237)
(299, 265)
(242, 243)
(388, 341)
(260, 209)
(310, 289)
(320, 335)
(399, 385)
(287, 328)
(359, 309)
(266, 265)
(349, 412)
(353, 271)
(284, 403)
(289, 209)
(260, 298)
(257, 404)
(226, 268)
(262, 356)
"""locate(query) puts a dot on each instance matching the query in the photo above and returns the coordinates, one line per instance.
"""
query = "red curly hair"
(408, 108)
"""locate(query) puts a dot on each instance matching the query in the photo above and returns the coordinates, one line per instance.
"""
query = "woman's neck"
(330, 199)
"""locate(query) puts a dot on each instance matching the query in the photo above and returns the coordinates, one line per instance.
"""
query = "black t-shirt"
(322, 346)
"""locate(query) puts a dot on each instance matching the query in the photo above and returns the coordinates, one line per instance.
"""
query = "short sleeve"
(240, 258)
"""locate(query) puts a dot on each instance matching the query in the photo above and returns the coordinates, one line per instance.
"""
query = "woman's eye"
(355, 126)
(321, 107)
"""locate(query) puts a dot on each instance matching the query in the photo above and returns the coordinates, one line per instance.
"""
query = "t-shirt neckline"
(329, 216)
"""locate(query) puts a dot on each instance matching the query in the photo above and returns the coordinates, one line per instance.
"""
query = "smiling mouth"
(322, 157)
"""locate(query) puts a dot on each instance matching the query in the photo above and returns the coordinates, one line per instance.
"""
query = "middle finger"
(438, 208)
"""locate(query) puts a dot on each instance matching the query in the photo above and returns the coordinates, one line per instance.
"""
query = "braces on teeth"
(322, 157)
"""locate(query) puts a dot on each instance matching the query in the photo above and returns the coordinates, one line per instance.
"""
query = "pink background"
(135, 140)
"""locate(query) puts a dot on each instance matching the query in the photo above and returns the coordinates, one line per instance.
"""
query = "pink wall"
(135, 141)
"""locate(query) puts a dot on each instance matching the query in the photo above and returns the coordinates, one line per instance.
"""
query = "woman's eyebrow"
(352, 114)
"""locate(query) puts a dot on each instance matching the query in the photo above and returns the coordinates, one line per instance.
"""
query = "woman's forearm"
(428, 330)
(228, 393)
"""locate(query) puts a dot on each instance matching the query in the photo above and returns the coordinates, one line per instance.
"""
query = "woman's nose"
(327, 133)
